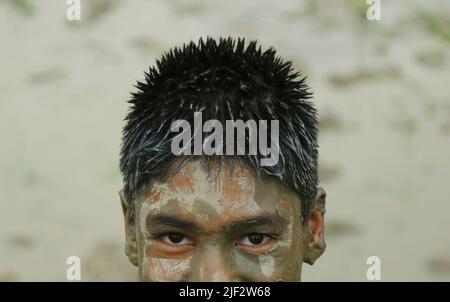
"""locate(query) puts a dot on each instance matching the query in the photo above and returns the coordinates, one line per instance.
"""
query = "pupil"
(255, 238)
(176, 238)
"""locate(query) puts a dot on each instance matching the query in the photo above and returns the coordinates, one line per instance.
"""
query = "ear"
(314, 230)
(130, 229)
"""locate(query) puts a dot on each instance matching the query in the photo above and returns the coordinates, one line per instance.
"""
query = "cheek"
(153, 268)
(285, 260)
(163, 269)
(282, 264)
(261, 268)
(160, 269)
(292, 255)
(267, 265)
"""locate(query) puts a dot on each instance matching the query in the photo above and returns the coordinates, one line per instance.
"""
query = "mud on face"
(219, 224)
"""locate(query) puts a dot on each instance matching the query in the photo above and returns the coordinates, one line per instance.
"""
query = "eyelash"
(165, 238)
(184, 237)
(266, 237)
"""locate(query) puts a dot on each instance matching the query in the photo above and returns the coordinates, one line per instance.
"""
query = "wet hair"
(224, 79)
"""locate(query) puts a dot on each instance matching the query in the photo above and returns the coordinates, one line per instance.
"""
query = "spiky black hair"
(225, 79)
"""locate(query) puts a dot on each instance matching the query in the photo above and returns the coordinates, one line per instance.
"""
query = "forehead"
(222, 192)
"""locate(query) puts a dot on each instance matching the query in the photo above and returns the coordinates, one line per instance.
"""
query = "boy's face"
(226, 225)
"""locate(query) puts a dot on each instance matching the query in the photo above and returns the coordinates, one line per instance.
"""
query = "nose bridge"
(213, 264)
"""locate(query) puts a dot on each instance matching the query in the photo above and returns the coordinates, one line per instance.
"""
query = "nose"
(214, 265)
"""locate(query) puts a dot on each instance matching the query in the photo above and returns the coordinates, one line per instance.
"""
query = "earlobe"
(314, 236)
(130, 230)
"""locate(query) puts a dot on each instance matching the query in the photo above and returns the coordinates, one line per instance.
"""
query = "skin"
(226, 225)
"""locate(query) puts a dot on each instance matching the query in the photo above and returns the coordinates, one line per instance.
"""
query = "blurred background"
(382, 88)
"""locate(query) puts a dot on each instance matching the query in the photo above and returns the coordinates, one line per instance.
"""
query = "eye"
(255, 240)
(175, 239)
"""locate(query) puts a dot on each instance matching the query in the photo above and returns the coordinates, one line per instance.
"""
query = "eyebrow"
(272, 221)
(164, 220)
